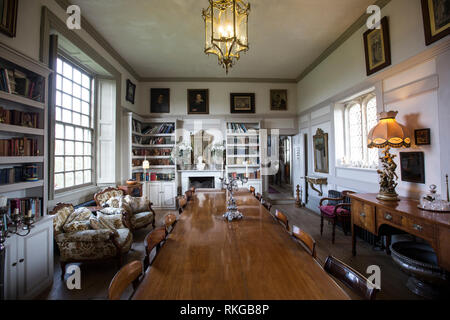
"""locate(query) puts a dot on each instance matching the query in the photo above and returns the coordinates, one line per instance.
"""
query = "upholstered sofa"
(82, 237)
(137, 213)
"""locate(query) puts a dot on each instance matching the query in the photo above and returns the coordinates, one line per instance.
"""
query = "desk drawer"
(363, 215)
(392, 218)
(418, 228)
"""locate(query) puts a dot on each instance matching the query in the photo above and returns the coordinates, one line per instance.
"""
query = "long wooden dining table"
(208, 258)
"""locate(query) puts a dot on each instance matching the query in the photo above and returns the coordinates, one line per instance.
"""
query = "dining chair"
(188, 194)
(252, 190)
(258, 196)
(128, 274)
(281, 217)
(305, 239)
(153, 240)
(169, 222)
(181, 204)
(266, 204)
(351, 278)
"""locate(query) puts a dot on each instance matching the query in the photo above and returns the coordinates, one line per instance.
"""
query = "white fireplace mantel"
(186, 174)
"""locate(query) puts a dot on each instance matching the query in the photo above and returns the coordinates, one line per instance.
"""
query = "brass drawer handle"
(14, 264)
(388, 217)
(417, 227)
(21, 260)
(362, 214)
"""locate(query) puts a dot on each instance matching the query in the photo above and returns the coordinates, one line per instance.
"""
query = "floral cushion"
(114, 202)
(125, 239)
(76, 226)
(143, 219)
(138, 205)
(113, 220)
(329, 211)
(80, 214)
(102, 198)
(111, 211)
(60, 219)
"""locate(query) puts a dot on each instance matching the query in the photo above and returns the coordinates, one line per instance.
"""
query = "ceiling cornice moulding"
(247, 80)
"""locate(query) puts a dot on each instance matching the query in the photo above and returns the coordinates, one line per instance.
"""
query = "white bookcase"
(29, 260)
(154, 140)
(243, 151)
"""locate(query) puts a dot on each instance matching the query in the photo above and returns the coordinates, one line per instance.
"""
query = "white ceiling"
(165, 38)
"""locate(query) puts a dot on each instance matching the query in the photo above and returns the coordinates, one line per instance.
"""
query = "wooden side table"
(132, 190)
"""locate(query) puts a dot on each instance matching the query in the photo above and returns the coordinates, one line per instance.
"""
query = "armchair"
(78, 242)
(137, 213)
(337, 208)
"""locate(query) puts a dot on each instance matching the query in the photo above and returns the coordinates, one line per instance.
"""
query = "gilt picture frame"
(377, 46)
(278, 100)
(242, 103)
(8, 17)
(321, 158)
(198, 101)
(436, 19)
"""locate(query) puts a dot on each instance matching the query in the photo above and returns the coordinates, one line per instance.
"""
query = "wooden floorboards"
(95, 278)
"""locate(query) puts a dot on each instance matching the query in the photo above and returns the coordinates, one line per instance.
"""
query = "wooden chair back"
(170, 220)
(181, 204)
(266, 204)
(305, 239)
(128, 274)
(258, 196)
(252, 190)
(153, 240)
(282, 218)
(188, 194)
(351, 278)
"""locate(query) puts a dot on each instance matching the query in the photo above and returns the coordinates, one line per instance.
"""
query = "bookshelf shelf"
(153, 145)
(21, 100)
(19, 160)
(22, 130)
(21, 186)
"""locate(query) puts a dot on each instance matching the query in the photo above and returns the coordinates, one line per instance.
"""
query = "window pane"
(77, 76)
(70, 164)
(58, 98)
(372, 122)
(79, 177)
(58, 114)
(78, 163)
(356, 138)
(88, 176)
(76, 91)
(86, 108)
(59, 131)
(86, 81)
(59, 66)
(87, 163)
(67, 116)
(59, 181)
(79, 148)
(70, 133)
(67, 101)
(67, 86)
(76, 105)
(87, 149)
(76, 118)
(79, 134)
(58, 82)
(59, 164)
(87, 135)
(67, 70)
(69, 148)
(85, 121)
(69, 180)
(59, 148)
(85, 94)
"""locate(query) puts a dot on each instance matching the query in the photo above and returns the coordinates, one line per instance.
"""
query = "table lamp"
(388, 133)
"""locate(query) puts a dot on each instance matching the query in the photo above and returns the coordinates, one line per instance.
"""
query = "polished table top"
(207, 258)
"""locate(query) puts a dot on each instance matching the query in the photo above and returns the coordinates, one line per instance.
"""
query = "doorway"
(280, 183)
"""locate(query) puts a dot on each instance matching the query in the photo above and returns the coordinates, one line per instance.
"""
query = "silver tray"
(439, 211)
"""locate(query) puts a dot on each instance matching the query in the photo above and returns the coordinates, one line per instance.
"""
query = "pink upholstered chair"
(336, 208)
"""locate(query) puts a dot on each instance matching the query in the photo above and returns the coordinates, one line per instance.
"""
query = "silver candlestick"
(232, 209)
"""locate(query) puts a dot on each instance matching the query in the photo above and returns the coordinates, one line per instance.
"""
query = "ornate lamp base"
(388, 196)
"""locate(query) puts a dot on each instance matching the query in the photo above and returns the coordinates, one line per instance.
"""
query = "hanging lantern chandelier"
(226, 30)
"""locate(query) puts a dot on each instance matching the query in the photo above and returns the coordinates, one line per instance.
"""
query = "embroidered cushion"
(329, 211)
(138, 205)
(80, 214)
(114, 202)
(76, 226)
(60, 219)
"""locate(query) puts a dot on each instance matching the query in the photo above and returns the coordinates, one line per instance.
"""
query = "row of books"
(19, 147)
(240, 161)
(26, 204)
(240, 128)
(17, 82)
(243, 151)
(12, 175)
(140, 176)
(19, 118)
(243, 140)
(153, 162)
(251, 175)
(153, 141)
(162, 129)
(160, 152)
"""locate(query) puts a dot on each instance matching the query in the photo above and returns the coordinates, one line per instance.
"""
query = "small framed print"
(242, 103)
(198, 101)
(436, 19)
(412, 167)
(278, 100)
(377, 48)
(8, 17)
(131, 91)
(159, 100)
(422, 137)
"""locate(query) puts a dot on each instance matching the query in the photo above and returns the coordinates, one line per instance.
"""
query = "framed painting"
(242, 103)
(159, 100)
(278, 100)
(8, 17)
(198, 101)
(131, 91)
(377, 48)
(412, 167)
(422, 137)
(320, 144)
(436, 19)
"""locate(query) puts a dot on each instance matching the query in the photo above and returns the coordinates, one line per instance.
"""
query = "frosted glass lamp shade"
(145, 165)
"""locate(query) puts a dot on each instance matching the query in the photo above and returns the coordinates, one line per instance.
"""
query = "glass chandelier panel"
(226, 30)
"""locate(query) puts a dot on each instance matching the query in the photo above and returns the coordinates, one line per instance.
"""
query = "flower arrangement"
(218, 148)
(180, 150)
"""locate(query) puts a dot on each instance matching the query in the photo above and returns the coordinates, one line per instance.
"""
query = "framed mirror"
(320, 141)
